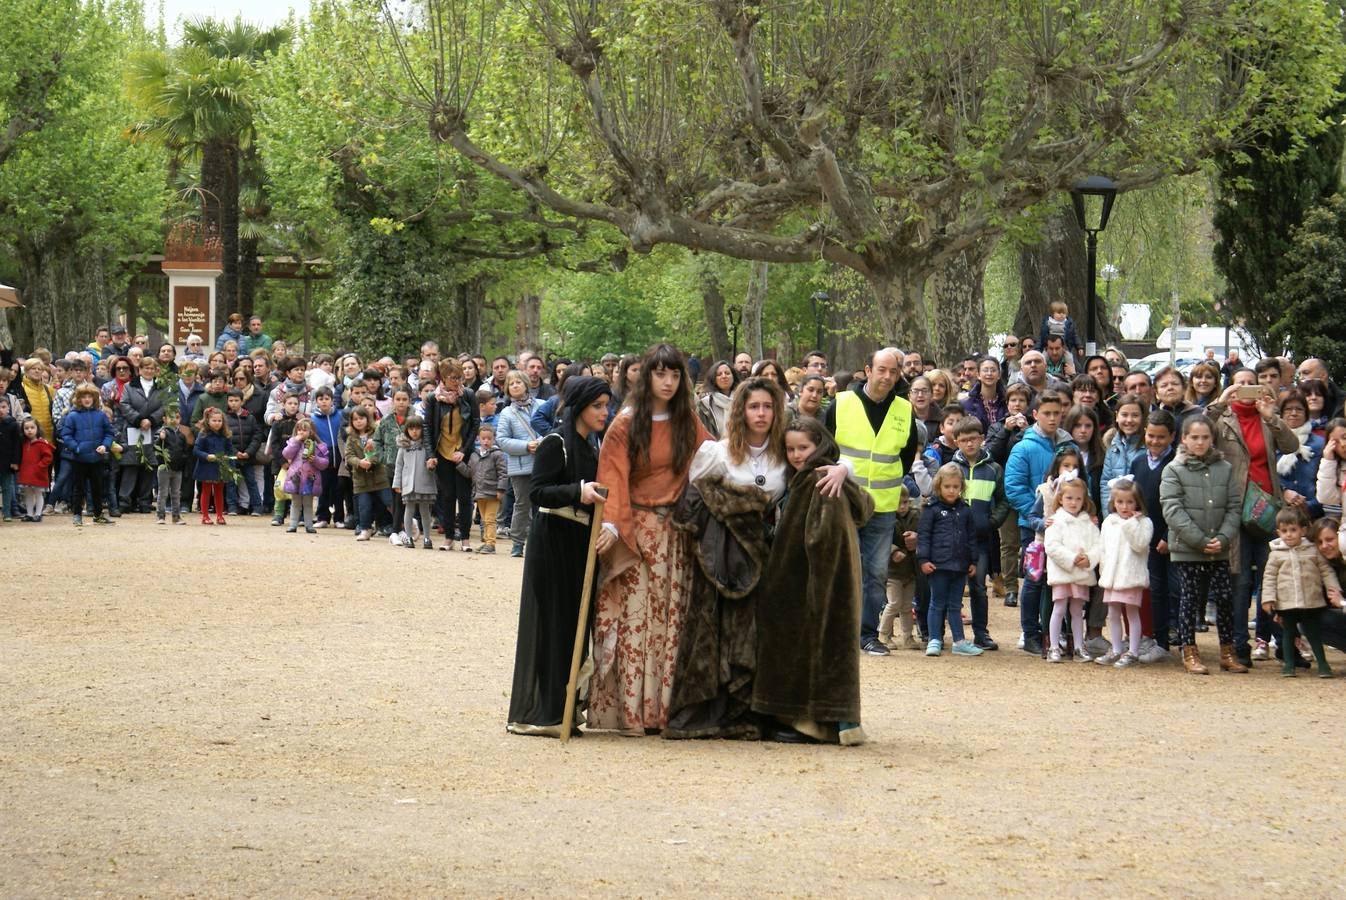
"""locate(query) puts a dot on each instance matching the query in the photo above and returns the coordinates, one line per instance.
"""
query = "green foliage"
(1263, 196)
(75, 197)
(1312, 319)
(390, 291)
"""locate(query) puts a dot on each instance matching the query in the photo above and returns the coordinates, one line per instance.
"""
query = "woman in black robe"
(562, 492)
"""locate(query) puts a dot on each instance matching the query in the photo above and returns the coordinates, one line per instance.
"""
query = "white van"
(1192, 342)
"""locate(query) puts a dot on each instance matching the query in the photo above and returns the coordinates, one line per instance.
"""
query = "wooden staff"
(582, 626)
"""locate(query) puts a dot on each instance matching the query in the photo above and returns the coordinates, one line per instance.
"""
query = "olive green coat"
(1201, 499)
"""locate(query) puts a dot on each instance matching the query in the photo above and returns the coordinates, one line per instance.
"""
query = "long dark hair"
(681, 409)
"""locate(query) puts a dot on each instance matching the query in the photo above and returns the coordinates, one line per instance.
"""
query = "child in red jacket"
(34, 470)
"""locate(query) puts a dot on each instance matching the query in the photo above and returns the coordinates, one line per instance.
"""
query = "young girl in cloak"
(808, 605)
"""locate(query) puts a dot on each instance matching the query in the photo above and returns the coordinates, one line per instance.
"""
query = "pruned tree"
(902, 135)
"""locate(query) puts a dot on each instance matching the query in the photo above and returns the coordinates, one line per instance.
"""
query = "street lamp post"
(818, 301)
(734, 313)
(1093, 198)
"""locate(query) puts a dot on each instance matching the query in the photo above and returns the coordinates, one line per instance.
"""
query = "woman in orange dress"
(647, 573)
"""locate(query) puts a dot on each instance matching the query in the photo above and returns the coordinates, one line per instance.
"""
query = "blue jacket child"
(84, 430)
(947, 535)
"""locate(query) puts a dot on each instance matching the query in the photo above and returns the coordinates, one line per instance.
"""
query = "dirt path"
(336, 726)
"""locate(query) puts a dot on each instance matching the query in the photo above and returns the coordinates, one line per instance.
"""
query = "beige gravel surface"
(237, 711)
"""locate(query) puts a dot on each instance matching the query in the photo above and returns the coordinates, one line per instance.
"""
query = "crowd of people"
(762, 526)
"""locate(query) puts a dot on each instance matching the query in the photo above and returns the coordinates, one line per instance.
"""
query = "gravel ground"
(336, 726)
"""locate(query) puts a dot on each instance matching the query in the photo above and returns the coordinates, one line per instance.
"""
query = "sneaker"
(486, 548)
(850, 734)
(362, 535)
(1083, 656)
(872, 647)
(502, 532)
(934, 647)
(1019, 644)
(319, 525)
(277, 520)
(77, 521)
(159, 520)
(1210, 613)
(1126, 661)
(177, 520)
(910, 643)
(116, 514)
(1108, 658)
(1151, 652)
(1033, 645)
(985, 642)
(1261, 652)
(102, 520)
(1054, 655)
(890, 642)
(396, 540)
(310, 529)
(291, 529)
(516, 552)
(1097, 646)
(966, 648)
(1012, 598)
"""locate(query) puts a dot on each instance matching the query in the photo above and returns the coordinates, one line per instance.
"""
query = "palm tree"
(197, 101)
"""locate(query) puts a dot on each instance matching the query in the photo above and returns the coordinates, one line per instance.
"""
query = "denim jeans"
(946, 602)
(1247, 582)
(1030, 593)
(8, 492)
(372, 506)
(876, 542)
(234, 495)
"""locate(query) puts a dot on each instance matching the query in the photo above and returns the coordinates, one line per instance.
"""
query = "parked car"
(1156, 361)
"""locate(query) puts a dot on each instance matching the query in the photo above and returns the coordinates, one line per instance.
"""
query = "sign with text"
(190, 313)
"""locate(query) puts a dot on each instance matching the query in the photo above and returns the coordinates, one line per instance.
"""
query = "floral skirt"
(637, 624)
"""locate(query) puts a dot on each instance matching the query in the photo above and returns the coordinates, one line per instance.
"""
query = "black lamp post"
(1093, 199)
(818, 301)
(734, 313)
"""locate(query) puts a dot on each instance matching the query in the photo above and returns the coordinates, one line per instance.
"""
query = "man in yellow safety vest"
(878, 438)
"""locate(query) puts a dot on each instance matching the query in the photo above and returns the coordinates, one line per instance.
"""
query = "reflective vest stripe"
(876, 458)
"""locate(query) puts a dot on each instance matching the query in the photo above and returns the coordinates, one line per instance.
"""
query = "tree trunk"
(132, 311)
(306, 310)
(900, 299)
(712, 301)
(219, 178)
(960, 304)
(1057, 269)
(753, 303)
(248, 274)
(528, 333)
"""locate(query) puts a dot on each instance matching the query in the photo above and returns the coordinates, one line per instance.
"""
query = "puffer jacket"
(81, 431)
(244, 433)
(1028, 464)
(513, 431)
(983, 489)
(363, 481)
(1201, 500)
(1126, 553)
(177, 443)
(488, 472)
(1299, 470)
(1067, 537)
(947, 536)
(304, 476)
(1296, 577)
(410, 476)
(1117, 460)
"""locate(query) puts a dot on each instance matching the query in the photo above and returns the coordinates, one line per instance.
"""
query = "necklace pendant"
(760, 479)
